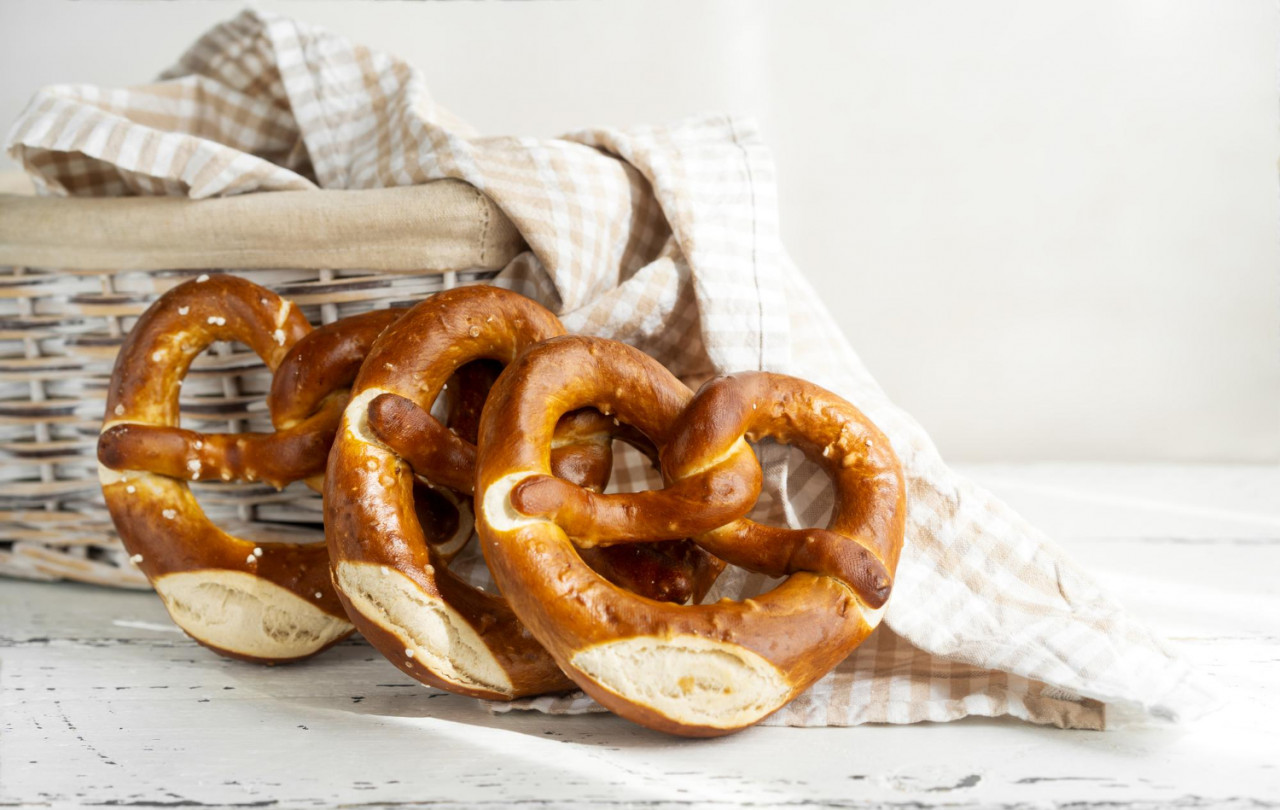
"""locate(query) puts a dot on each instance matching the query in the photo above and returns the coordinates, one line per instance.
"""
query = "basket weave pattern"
(59, 334)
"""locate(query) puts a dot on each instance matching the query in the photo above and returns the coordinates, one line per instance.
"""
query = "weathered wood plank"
(102, 701)
(96, 726)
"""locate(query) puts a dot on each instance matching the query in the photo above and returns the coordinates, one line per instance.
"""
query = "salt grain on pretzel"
(692, 670)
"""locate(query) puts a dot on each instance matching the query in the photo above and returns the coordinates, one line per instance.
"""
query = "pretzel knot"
(396, 585)
(698, 670)
(258, 601)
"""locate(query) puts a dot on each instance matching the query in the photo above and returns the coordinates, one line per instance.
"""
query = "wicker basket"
(76, 273)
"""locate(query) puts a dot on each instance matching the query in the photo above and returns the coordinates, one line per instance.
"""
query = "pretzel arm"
(430, 448)
(278, 458)
(441, 456)
(780, 552)
(322, 362)
(684, 508)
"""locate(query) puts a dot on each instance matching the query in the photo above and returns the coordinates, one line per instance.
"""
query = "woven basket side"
(333, 253)
(59, 334)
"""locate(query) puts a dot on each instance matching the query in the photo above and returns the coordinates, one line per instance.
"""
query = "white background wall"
(1049, 228)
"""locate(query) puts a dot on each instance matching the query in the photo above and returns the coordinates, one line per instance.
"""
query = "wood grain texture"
(103, 701)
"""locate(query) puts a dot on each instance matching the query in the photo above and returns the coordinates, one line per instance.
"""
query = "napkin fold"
(664, 237)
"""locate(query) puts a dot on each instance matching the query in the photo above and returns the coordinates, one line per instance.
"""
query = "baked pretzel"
(700, 670)
(397, 589)
(268, 602)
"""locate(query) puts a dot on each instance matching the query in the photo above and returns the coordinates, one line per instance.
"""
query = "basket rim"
(439, 226)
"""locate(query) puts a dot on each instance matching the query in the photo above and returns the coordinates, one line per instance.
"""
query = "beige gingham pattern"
(666, 238)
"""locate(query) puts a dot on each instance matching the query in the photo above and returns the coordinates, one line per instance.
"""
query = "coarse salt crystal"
(202, 278)
(170, 514)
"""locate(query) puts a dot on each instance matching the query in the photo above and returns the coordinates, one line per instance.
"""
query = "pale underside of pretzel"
(694, 670)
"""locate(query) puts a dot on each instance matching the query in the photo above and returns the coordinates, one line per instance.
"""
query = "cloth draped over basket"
(665, 237)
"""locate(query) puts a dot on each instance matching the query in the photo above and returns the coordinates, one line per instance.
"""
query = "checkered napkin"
(666, 238)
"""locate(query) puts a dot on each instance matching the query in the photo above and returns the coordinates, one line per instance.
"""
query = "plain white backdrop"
(1049, 228)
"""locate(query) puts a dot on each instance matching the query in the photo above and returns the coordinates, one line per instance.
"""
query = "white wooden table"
(104, 702)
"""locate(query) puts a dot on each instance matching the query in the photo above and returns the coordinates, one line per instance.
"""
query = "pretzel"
(396, 588)
(692, 670)
(267, 602)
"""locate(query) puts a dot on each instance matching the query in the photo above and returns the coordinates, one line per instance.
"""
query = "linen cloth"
(665, 237)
